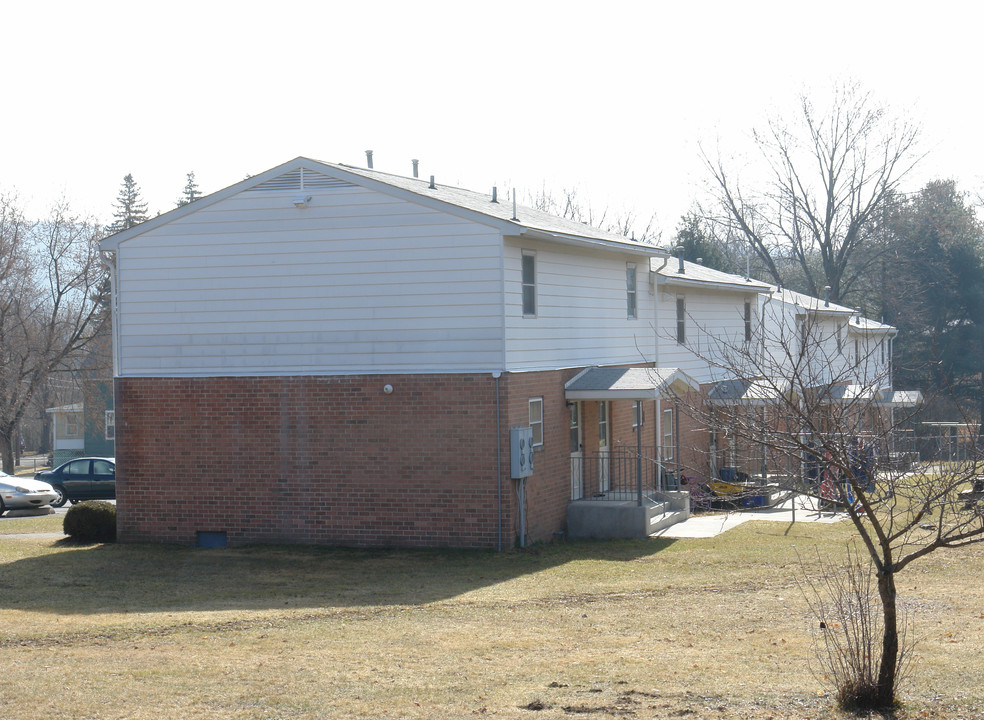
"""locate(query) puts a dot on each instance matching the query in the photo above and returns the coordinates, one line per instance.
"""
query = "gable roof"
(866, 325)
(809, 303)
(634, 383)
(478, 207)
(701, 276)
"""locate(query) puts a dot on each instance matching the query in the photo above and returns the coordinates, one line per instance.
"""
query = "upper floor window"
(840, 339)
(529, 283)
(630, 291)
(536, 420)
(681, 319)
(748, 321)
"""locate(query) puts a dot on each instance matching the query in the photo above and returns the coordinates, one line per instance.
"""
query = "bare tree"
(573, 207)
(804, 409)
(826, 178)
(49, 279)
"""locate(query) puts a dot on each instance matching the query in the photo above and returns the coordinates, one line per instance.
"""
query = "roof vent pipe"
(369, 159)
(700, 261)
(681, 268)
(431, 186)
(416, 163)
(826, 295)
(495, 194)
(514, 205)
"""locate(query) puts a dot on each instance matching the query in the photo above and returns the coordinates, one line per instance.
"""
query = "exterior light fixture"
(388, 389)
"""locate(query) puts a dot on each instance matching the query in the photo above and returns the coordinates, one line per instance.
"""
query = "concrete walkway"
(709, 524)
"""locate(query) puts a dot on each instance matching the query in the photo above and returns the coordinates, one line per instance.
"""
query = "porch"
(623, 491)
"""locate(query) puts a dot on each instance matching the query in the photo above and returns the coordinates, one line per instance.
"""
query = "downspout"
(659, 444)
(498, 454)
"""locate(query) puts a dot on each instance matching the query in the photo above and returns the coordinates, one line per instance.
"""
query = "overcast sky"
(609, 98)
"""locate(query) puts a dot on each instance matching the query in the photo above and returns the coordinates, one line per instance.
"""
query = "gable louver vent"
(301, 179)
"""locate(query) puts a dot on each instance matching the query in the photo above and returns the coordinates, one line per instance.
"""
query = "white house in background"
(67, 432)
(844, 348)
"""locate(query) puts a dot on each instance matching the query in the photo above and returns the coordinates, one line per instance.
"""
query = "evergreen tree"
(936, 279)
(191, 191)
(130, 207)
(696, 236)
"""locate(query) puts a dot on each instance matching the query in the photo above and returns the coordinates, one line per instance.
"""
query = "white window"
(748, 321)
(668, 434)
(840, 341)
(857, 351)
(110, 424)
(681, 319)
(637, 416)
(73, 425)
(529, 283)
(536, 420)
(630, 291)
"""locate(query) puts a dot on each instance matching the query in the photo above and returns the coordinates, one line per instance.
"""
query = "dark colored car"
(88, 478)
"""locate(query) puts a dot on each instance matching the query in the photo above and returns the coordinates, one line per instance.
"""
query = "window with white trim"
(602, 424)
(840, 339)
(668, 443)
(536, 420)
(73, 425)
(632, 310)
(681, 319)
(637, 415)
(748, 321)
(529, 283)
(110, 424)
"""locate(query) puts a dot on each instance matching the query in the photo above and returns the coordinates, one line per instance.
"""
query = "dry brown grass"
(650, 629)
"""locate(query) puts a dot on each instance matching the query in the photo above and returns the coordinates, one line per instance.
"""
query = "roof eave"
(626, 246)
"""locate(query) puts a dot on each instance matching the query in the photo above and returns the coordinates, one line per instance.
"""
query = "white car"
(20, 492)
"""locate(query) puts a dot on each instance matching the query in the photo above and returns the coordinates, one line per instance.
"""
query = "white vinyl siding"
(355, 282)
(713, 321)
(581, 310)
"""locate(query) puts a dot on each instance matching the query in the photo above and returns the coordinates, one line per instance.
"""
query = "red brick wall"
(335, 460)
(548, 490)
(328, 460)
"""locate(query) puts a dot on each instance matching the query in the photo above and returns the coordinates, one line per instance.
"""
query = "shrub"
(91, 521)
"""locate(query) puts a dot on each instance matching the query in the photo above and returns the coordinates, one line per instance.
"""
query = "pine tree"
(130, 207)
(191, 192)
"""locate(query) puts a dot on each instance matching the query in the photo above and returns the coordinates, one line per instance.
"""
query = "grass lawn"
(711, 628)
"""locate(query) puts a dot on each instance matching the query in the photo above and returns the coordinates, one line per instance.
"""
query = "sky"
(613, 100)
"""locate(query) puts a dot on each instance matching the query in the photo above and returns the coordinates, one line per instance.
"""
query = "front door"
(603, 447)
(577, 452)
